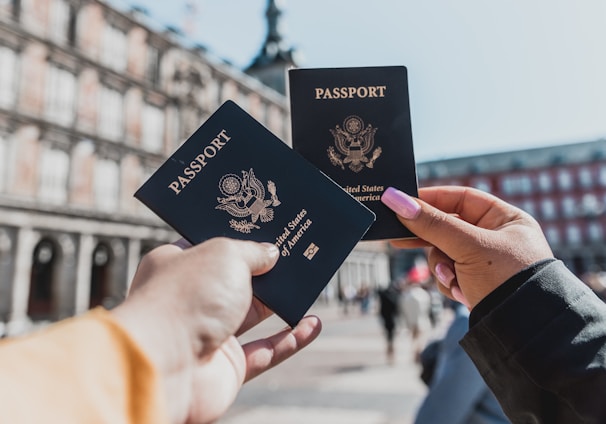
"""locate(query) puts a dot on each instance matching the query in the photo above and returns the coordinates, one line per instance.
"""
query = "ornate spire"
(273, 14)
(273, 55)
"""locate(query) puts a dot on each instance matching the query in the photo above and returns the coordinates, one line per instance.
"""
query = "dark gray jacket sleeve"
(542, 349)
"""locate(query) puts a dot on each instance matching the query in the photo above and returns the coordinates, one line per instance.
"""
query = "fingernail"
(401, 203)
(459, 296)
(272, 250)
(182, 243)
(444, 274)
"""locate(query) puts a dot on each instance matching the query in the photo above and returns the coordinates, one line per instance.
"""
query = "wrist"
(505, 290)
(164, 340)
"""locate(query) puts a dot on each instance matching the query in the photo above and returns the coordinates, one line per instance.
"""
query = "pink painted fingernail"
(444, 274)
(401, 203)
(182, 243)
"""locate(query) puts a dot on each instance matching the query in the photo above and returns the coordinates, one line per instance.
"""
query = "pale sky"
(484, 76)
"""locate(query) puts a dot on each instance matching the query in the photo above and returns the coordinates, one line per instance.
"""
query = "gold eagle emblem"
(245, 197)
(354, 142)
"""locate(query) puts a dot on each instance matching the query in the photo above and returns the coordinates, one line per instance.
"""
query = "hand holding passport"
(233, 178)
(185, 308)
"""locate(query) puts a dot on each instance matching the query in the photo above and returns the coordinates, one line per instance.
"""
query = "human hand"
(475, 241)
(185, 310)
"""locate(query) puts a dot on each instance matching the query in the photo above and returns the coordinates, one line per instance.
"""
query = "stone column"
(7, 267)
(26, 241)
(83, 272)
(66, 276)
(119, 271)
(133, 258)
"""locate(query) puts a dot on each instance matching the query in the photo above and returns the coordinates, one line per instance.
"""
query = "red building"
(563, 187)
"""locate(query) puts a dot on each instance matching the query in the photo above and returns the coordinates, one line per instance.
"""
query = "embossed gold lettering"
(175, 187)
(282, 237)
(195, 167)
(354, 189)
(293, 224)
(361, 92)
(374, 188)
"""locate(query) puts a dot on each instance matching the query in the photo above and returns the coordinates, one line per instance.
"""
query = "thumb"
(259, 257)
(447, 232)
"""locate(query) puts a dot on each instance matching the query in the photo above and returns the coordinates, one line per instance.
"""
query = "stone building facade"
(563, 187)
(92, 101)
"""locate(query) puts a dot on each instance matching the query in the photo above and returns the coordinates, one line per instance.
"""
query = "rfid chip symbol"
(311, 251)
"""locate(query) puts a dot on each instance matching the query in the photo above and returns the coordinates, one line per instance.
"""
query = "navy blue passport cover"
(234, 178)
(354, 125)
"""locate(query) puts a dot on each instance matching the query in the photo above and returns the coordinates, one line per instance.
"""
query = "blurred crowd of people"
(410, 304)
(413, 304)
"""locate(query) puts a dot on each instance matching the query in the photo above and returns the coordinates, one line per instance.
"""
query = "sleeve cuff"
(497, 296)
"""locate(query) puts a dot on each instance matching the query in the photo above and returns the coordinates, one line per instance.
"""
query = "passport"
(234, 178)
(354, 125)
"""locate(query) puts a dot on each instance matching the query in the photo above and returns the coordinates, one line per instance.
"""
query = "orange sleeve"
(81, 370)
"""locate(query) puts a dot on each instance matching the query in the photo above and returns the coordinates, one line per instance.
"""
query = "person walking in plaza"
(416, 307)
(389, 299)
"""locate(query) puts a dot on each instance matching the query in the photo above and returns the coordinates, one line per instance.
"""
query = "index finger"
(472, 205)
(458, 223)
(264, 354)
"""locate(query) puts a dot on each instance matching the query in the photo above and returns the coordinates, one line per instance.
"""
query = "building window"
(573, 234)
(565, 179)
(114, 48)
(153, 129)
(507, 186)
(60, 96)
(59, 20)
(111, 113)
(595, 232)
(553, 236)
(107, 185)
(548, 209)
(590, 205)
(152, 71)
(516, 184)
(585, 177)
(229, 91)
(243, 100)
(602, 175)
(212, 95)
(72, 25)
(8, 77)
(545, 183)
(529, 206)
(482, 184)
(54, 170)
(569, 207)
(10, 10)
